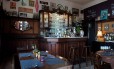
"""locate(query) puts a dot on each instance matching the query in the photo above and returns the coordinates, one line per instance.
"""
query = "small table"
(107, 56)
(29, 61)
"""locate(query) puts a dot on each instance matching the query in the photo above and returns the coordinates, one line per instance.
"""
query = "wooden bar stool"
(86, 54)
(74, 56)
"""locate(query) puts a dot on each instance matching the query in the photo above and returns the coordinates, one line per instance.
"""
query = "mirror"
(22, 25)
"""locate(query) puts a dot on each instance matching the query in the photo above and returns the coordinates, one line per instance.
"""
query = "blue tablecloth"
(51, 59)
(25, 54)
(31, 63)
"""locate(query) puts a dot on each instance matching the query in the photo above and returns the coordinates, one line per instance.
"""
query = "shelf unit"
(49, 20)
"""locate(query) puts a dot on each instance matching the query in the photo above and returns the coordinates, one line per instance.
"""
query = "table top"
(107, 56)
(29, 61)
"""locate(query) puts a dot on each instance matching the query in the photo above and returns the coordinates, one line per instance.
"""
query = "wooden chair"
(66, 67)
(99, 64)
(97, 61)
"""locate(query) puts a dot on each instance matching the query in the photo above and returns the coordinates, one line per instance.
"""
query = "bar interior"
(59, 34)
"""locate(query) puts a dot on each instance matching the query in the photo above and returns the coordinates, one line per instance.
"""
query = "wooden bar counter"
(61, 46)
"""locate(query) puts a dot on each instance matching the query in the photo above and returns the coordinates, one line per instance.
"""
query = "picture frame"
(106, 27)
(52, 6)
(14, 13)
(31, 3)
(112, 25)
(104, 14)
(22, 14)
(75, 11)
(23, 3)
(12, 5)
(44, 7)
(66, 8)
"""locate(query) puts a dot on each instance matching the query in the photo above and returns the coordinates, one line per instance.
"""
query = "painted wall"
(6, 5)
(94, 2)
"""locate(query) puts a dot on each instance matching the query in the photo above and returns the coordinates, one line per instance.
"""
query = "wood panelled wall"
(61, 46)
(9, 22)
(13, 38)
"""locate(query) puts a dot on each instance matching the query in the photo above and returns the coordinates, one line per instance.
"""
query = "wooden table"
(107, 56)
(29, 61)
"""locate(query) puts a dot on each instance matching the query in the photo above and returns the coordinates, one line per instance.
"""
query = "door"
(91, 31)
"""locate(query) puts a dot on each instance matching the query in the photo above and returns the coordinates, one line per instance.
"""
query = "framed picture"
(75, 11)
(14, 13)
(66, 8)
(106, 27)
(112, 25)
(44, 7)
(23, 3)
(16, 0)
(31, 3)
(12, 5)
(52, 5)
(0, 2)
(22, 14)
(104, 14)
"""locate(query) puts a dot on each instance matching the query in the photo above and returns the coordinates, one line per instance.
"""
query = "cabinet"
(107, 28)
(50, 21)
(96, 45)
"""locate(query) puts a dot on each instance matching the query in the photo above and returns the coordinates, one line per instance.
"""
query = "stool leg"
(86, 56)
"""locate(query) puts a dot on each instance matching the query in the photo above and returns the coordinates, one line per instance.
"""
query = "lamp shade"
(99, 33)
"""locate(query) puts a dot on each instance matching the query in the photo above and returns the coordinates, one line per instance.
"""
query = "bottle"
(38, 54)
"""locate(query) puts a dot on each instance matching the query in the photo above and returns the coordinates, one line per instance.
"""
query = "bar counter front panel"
(61, 46)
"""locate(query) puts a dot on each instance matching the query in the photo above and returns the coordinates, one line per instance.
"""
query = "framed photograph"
(75, 11)
(112, 25)
(0, 2)
(52, 6)
(106, 27)
(16, 0)
(23, 3)
(14, 13)
(104, 14)
(12, 5)
(44, 7)
(66, 8)
(22, 14)
(31, 3)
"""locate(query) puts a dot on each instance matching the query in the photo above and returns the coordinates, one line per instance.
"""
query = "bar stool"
(86, 54)
(74, 56)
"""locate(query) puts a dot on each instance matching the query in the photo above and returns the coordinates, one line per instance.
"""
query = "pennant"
(36, 6)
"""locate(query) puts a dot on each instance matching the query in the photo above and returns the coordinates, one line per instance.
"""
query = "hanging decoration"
(36, 6)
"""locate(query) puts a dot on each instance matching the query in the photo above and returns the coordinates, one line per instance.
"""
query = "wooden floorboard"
(7, 63)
